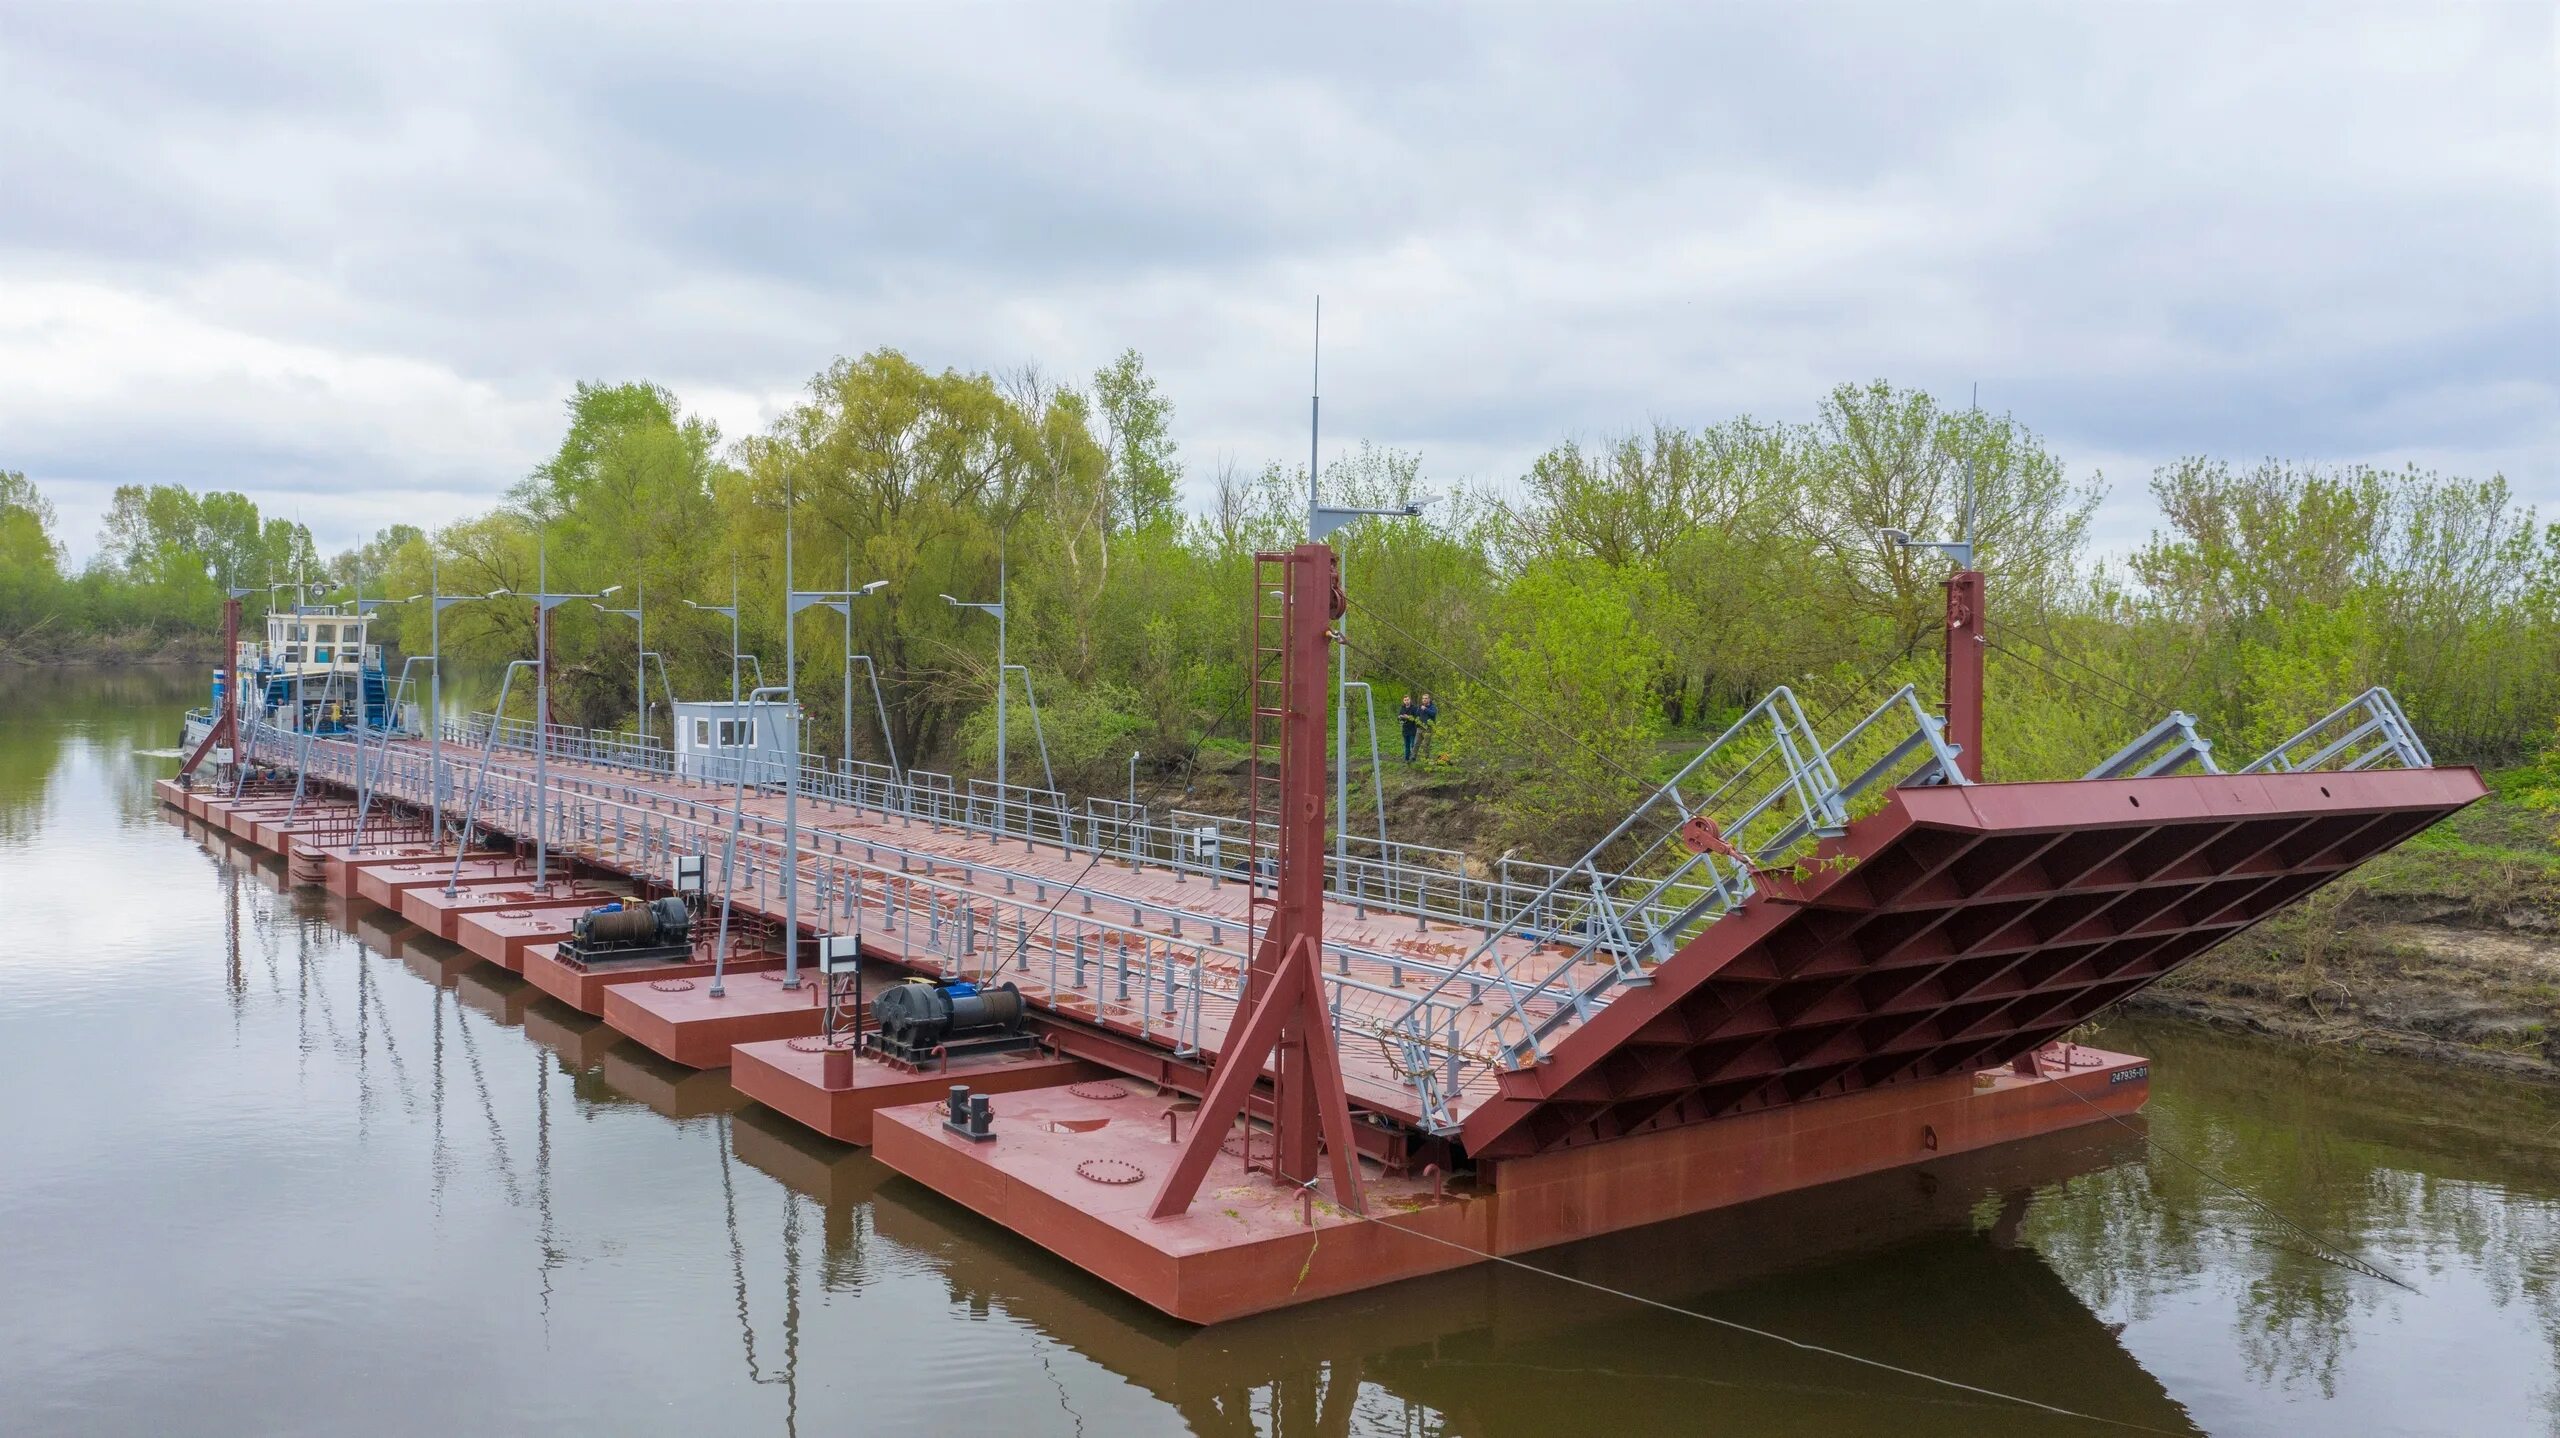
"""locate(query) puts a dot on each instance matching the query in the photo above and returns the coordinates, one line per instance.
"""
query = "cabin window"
(320, 654)
(702, 733)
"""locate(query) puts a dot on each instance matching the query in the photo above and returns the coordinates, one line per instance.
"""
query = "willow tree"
(919, 479)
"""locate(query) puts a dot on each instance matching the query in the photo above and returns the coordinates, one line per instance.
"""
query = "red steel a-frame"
(1297, 596)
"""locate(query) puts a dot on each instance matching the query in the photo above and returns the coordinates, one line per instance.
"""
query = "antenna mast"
(1315, 404)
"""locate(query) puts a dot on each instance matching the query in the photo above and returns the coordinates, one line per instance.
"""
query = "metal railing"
(1693, 854)
(1427, 883)
(2164, 748)
(2366, 732)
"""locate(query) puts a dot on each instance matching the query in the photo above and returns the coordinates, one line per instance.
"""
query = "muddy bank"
(2446, 949)
(2482, 998)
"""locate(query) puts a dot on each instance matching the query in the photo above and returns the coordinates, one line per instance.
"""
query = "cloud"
(354, 260)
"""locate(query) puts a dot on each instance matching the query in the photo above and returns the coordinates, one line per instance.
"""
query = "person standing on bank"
(1409, 717)
(1428, 712)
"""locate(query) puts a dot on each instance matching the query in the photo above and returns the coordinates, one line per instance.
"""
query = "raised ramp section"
(1956, 929)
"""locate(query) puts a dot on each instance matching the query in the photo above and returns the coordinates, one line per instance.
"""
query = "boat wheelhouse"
(317, 671)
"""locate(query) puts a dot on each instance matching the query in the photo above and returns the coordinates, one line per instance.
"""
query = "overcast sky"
(351, 261)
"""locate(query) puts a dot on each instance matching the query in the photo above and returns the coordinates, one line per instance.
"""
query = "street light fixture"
(1322, 521)
(1959, 550)
(1002, 684)
(544, 601)
(731, 610)
(639, 615)
(841, 601)
(435, 683)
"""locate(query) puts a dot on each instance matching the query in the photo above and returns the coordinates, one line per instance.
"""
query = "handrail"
(1627, 930)
(2362, 733)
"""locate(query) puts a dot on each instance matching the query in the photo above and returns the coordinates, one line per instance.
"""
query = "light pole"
(544, 601)
(730, 609)
(1962, 707)
(639, 615)
(368, 777)
(439, 602)
(841, 601)
(996, 609)
(795, 600)
(1322, 521)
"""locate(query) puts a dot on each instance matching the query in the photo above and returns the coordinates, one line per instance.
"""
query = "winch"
(923, 1021)
(659, 930)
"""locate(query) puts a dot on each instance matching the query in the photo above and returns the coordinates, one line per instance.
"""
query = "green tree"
(30, 559)
(1565, 707)
(1137, 425)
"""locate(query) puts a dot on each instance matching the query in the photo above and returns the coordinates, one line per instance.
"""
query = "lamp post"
(730, 609)
(841, 601)
(544, 601)
(794, 601)
(1964, 636)
(996, 609)
(367, 778)
(639, 615)
(438, 603)
(1322, 521)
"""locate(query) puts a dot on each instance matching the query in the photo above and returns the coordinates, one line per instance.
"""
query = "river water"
(276, 1163)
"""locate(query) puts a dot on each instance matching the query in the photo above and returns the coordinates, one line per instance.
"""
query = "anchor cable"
(1749, 1330)
(2323, 1248)
(2157, 704)
(2067, 682)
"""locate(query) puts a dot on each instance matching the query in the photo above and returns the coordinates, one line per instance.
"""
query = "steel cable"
(1749, 1330)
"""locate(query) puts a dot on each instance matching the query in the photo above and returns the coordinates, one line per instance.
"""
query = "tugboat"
(315, 673)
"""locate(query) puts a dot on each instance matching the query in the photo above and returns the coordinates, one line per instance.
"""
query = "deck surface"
(1180, 917)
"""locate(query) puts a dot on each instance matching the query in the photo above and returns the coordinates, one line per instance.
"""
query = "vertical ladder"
(1267, 696)
(1282, 1024)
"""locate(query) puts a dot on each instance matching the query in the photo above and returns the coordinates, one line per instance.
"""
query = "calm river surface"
(275, 1163)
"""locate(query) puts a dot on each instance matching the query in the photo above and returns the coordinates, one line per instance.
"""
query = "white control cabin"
(713, 736)
(312, 644)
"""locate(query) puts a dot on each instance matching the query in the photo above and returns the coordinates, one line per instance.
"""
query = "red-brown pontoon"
(1231, 1065)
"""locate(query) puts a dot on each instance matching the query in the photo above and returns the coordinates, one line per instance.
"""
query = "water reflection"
(460, 1205)
(94, 722)
(2446, 1179)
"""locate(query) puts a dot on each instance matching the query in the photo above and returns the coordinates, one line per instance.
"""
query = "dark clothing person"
(1428, 712)
(1409, 716)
